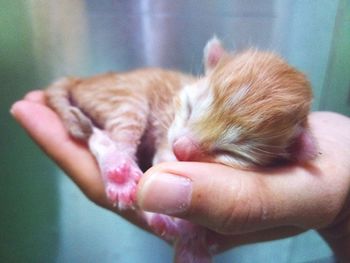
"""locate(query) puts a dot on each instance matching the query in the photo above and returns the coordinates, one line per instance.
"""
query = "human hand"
(244, 206)
(251, 206)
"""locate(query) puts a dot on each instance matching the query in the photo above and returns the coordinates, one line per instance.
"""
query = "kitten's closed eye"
(186, 104)
(183, 106)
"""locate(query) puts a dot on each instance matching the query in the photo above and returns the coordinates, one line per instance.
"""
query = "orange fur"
(276, 102)
(248, 109)
(126, 105)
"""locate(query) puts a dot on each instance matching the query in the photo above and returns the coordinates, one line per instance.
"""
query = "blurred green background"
(44, 218)
(28, 192)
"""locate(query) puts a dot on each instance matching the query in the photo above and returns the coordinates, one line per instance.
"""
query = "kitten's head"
(250, 108)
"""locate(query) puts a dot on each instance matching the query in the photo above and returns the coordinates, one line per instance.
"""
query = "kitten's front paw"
(120, 172)
(121, 178)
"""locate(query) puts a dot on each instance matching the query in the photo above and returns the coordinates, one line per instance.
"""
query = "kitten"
(249, 109)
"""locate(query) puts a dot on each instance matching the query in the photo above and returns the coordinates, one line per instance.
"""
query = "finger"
(228, 200)
(35, 96)
(47, 130)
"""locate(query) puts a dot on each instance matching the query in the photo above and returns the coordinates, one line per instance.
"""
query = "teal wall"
(309, 40)
(336, 92)
(28, 217)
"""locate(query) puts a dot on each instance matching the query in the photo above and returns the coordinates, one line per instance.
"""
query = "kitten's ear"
(213, 52)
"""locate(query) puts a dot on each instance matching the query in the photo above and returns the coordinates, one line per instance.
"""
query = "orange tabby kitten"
(250, 109)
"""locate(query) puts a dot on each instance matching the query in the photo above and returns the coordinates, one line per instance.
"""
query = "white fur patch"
(195, 101)
(201, 99)
(230, 136)
(100, 144)
(237, 97)
(228, 160)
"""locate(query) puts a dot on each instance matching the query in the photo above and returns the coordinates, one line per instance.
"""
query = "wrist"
(338, 238)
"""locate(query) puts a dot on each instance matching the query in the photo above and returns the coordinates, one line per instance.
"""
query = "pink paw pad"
(120, 175)
(121, 178)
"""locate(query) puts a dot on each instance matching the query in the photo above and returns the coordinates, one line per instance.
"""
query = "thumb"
(208, 194)
(229, 201)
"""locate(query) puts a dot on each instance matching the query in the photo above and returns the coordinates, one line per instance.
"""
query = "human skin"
(237, 206)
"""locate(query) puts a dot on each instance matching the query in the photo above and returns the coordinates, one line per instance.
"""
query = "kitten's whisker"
(253, 149)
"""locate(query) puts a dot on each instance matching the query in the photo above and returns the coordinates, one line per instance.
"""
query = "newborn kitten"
(249, 110)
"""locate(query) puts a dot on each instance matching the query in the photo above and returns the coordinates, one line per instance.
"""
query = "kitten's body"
(250, 109)
(135, 108)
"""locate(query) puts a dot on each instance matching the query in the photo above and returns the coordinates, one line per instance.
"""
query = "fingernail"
(12, 110)
(166, 194)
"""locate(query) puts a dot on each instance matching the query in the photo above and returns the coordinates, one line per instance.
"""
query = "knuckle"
(245, 210)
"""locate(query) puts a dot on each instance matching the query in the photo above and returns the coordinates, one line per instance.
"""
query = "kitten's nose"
(186, 149)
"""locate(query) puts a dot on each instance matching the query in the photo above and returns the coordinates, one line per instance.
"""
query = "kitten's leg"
(192, 245)
(189, 240)
(119, 171)
(164, 153)
(115, 150)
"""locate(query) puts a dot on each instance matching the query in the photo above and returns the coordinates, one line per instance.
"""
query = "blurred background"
(44, 217)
